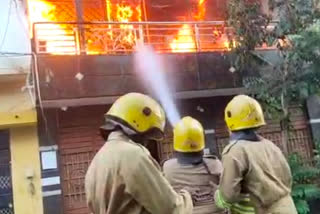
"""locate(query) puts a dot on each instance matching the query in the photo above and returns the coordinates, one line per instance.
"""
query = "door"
(78, 141)
(6, 199)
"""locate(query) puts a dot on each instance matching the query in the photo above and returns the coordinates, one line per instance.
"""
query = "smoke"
(151, 71)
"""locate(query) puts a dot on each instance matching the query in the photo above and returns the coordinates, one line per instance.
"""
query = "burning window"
(71, 27)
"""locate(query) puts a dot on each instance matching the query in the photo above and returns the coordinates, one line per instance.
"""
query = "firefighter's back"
(105, 185)
(197, 179)
(268, 179)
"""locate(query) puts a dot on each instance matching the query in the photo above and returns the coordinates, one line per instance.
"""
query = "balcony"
(114, 38)
(102, 53)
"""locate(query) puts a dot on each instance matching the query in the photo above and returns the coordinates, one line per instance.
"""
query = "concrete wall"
(26, 176)
(18, 115)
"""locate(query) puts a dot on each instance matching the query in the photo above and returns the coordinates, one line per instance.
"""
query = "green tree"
(297, 38)
(291, 78)
(305, 182)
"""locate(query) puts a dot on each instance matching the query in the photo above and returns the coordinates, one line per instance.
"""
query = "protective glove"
(244, 206)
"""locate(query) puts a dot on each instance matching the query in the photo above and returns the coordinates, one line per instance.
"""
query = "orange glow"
(229, 44)
(184, 41)
(199, 16)
(124, 34)
(121, 37)
(108, 10)
(124, 14)
(57, 39)
(138, 9)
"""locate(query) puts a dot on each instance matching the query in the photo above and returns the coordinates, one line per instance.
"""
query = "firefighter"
(253, 165)
(190, 169)
(123, 178)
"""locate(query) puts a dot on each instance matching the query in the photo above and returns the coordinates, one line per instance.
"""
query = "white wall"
(14, 37)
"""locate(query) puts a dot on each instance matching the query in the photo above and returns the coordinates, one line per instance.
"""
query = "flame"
(123, 34)
(184, 41)
(124, 14)
(199, 16)
(138, 9)
(229, 44)
(61, 39)
(57, 39)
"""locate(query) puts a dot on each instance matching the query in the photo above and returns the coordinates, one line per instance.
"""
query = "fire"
(138, 9)
(123, 34)
(122, 37)
(124, 13)
(199, 16)
(184, 41)
(57, 39)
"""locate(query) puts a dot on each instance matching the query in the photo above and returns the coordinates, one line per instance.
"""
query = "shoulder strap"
(210, 157)
(228, 148)
(206, 167)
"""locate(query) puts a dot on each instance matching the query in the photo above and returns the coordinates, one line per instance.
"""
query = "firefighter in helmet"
(190, 169)
(252, 165)
(123, 178)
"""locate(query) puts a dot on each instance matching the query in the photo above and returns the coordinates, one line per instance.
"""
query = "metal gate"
(79, 140)
(6, 199)
(78, 147)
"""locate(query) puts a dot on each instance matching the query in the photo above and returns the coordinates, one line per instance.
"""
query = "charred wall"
(68, 77)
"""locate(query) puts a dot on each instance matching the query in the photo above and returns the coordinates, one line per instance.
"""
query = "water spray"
(151, 71)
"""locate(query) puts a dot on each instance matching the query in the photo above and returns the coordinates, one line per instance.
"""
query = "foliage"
(305, 179)
(296, 73)
(249, 30)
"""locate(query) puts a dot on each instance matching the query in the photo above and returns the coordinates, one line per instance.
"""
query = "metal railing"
(121, 38)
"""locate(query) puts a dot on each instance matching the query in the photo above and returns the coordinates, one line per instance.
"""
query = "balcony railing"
(116, 38)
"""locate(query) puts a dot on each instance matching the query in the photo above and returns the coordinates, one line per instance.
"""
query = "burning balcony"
(95, 38)
(121, 38)
(72, 27)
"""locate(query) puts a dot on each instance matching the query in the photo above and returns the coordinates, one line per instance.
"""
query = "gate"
(6, 199)
(78, 147)
(79, 140)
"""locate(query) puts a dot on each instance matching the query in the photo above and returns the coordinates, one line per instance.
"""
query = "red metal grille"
(78, 147)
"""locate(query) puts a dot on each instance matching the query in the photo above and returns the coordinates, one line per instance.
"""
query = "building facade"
(82, 60)
(20, 173)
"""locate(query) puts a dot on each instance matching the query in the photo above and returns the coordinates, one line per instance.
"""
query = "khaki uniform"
(124, 179)
(260, 169)
(201, 179)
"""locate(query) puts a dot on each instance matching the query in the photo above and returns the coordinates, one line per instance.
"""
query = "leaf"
(302, 207)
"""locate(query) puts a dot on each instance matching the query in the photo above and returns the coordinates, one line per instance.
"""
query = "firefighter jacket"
(201, 179)
(124, 179)
(259, 168)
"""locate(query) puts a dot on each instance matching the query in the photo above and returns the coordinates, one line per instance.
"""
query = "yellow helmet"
(137, 112)
(188, 136)
(243, 112)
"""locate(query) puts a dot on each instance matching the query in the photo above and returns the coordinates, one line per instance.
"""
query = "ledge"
(18, 119)
(110, 99)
